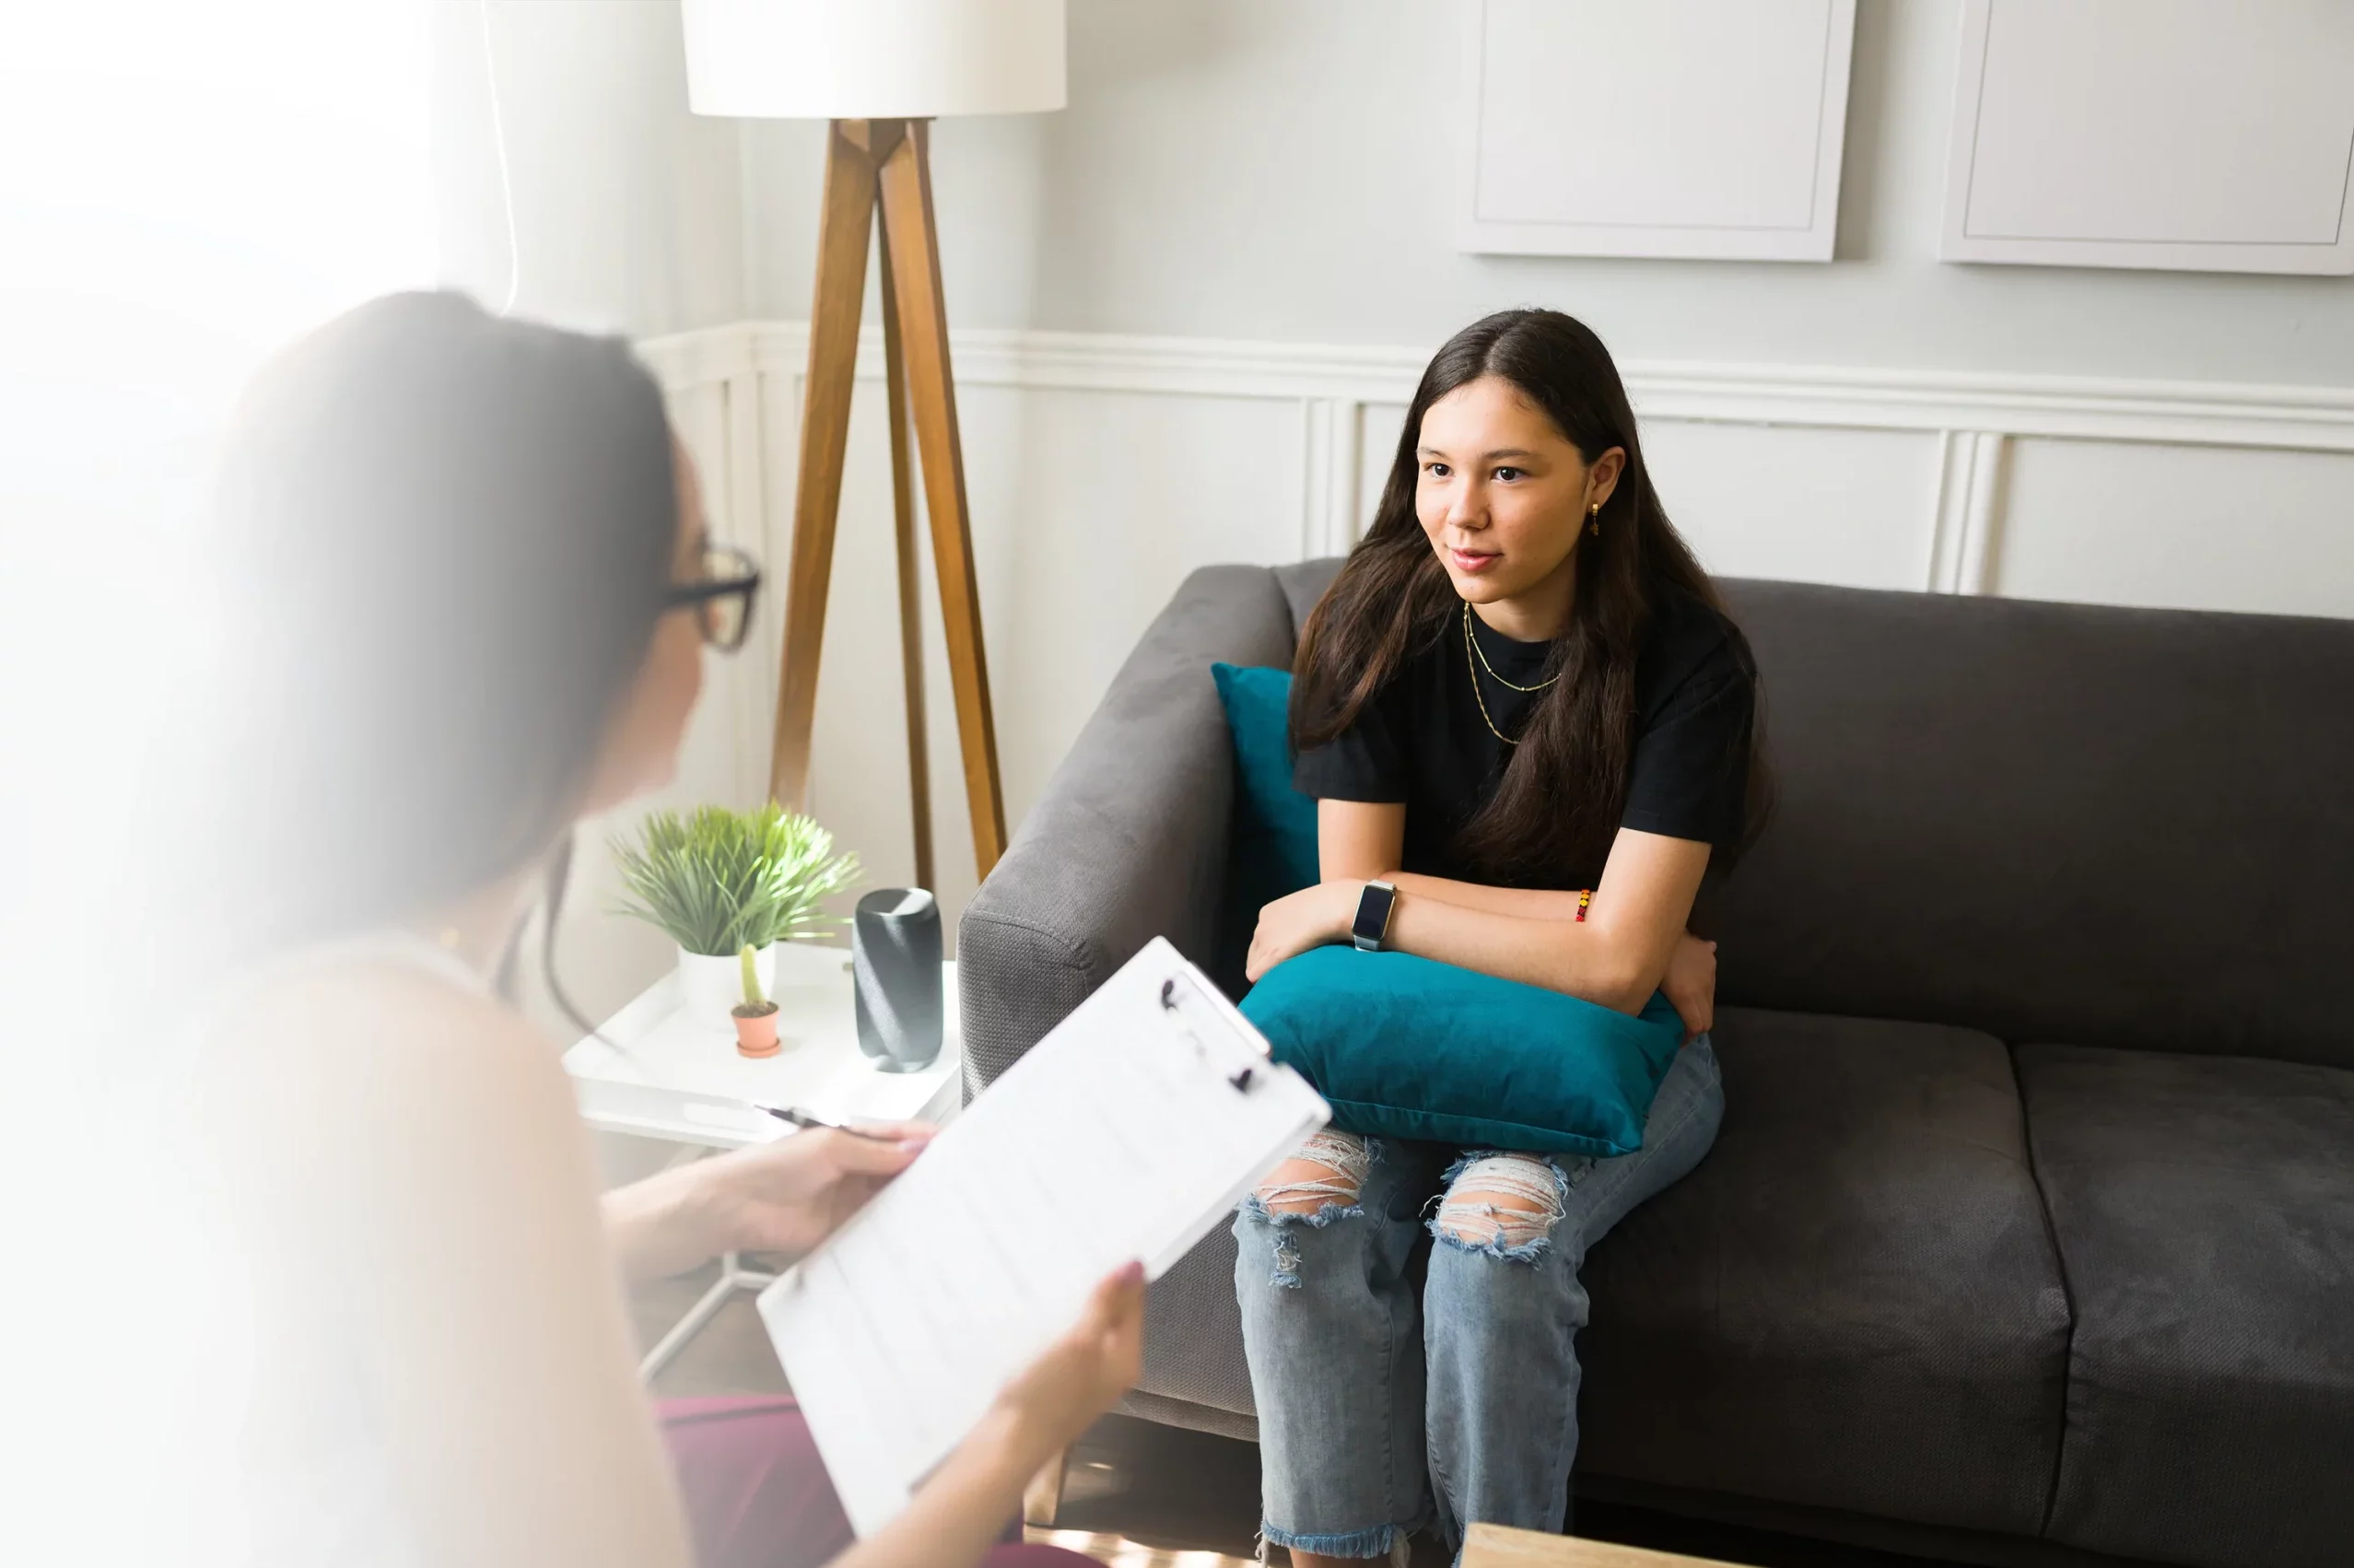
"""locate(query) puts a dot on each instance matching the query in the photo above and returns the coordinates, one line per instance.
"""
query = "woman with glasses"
(477, 587)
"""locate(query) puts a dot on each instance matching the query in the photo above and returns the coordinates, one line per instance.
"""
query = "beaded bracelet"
(1584, 899)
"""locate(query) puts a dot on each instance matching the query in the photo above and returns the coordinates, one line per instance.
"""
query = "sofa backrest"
(2056, 823)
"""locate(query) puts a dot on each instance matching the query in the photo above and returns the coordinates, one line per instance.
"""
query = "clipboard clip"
(1240, 1082)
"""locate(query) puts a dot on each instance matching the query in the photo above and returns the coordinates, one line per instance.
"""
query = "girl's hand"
(1293, 924)
(1082, 1374)
(1690, 984)
(782, 1197)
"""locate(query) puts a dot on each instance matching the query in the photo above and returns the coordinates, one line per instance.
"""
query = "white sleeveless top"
(318, 1483)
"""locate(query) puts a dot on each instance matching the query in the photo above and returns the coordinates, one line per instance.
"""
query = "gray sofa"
(2030, 1235)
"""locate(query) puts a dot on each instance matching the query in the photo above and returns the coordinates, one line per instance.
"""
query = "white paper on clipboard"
(1129, 1132)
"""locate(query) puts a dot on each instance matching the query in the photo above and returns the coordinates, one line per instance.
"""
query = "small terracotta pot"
(755, 1030)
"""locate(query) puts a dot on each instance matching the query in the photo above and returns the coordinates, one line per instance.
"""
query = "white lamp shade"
(874, 59)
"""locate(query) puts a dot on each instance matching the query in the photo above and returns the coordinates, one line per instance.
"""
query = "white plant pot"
(709, 988)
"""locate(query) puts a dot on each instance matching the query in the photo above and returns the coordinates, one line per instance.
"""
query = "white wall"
(1237, 169)
(627, 208)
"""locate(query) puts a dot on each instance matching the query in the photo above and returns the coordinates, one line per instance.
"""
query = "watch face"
(1372, 914)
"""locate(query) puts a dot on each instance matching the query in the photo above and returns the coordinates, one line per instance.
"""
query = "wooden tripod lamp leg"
(905, 178)
(848, 218)
(903, 530)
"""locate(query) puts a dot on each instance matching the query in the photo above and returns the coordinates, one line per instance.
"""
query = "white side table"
(667, 1077)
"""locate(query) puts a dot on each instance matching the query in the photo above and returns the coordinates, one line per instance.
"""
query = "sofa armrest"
(1128, 841)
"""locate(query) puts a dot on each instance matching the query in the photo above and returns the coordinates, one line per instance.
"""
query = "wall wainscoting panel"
(1102, 469)
(1816, 503)
(2196, 527)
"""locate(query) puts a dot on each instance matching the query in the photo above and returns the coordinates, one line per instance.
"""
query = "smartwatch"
(1374, 909)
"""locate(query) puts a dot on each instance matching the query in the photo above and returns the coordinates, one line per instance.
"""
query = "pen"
(800, 1117)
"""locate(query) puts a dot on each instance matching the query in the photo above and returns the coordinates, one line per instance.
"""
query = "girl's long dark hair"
(1559, 802)
(448, 539)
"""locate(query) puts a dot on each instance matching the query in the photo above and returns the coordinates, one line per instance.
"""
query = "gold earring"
(1594, 519)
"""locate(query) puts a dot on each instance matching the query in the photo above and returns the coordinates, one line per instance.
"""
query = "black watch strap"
(1375, 906)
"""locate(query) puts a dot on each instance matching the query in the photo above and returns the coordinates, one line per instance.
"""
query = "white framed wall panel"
(2205, 135)
(1696, 128)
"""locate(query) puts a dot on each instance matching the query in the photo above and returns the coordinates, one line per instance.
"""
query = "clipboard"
(1129, 1131)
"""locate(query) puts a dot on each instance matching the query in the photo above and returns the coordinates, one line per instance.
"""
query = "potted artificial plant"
(755, 1015)
(718, 881)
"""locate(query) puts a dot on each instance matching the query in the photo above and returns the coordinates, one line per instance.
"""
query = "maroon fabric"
(757, 1496)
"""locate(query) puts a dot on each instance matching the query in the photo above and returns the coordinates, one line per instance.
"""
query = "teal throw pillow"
(1270, 849)
(1277, 821)
(1407, 1048)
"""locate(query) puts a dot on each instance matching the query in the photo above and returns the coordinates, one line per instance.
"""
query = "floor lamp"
(879, 71)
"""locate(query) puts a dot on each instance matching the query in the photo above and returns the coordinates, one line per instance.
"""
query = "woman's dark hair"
(1559, 802)
(448, 539)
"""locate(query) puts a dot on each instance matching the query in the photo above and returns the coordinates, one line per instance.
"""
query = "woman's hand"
(790, 1194)
(1293, 924)
(782, 1197)
(1691, 983)
(963, 1507)
(1082, 1374)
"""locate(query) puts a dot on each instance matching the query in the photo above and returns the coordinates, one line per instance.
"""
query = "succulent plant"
(718, 881)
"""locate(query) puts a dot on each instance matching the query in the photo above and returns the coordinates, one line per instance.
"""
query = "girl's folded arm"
(1616, 956)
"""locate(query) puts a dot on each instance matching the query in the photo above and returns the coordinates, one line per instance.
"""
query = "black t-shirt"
(1421, 738)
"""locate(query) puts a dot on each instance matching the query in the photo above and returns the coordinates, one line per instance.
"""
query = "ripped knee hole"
(1500, 1201)
(1329, 1168)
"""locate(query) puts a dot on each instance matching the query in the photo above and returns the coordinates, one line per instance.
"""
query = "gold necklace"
(1482, 658)
(1477, 696)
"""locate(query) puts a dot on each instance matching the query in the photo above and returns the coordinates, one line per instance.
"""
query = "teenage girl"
(478, 588)
(1522, 705)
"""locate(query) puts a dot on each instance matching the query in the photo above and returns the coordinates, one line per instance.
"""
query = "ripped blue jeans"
(1403, 1384)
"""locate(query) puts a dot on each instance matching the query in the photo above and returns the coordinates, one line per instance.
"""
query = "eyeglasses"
(721, 596)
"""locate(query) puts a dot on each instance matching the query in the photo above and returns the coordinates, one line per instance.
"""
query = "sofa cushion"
(1853, 1303)
(1991, 813)
(2204, 1209)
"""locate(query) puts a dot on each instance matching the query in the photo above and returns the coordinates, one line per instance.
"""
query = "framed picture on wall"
(1697, 128)
(2204, 136)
